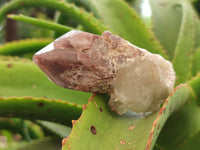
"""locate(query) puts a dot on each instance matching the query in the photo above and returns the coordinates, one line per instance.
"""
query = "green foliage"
(50, 143)
(23, 46)
(41, 23)
(23, 78)
(122, 132)
(26, 93)
(126, 23)
(195, 62)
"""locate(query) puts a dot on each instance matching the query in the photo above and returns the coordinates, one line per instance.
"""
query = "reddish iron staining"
(9, 65)
(41, 104)
(73, 122)
(113, 110)
(92, 97)
(122, 142)
(69, 146)
(93, 130)
(84, 106)
(131, 128)
(100, 109)
(63, 141)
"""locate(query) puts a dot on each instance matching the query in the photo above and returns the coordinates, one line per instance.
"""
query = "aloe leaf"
(87, 20)
(23, 46)
(41, 23)
(182, 129)
(39, 109)
(166, 21)
(196, 62)
(23, 78)
(14, 125)
(195, 84)
(50, 143)
(196, 31)
(106, 130)
(185, 44)
(122, 19)
(58, 129)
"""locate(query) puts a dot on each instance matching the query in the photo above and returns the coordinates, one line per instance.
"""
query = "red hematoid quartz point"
(136, 79)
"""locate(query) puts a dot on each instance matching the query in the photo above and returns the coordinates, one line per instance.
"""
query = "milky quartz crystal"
(134, 78)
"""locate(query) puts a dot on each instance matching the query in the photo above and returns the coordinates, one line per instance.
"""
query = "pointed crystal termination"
(136, 79)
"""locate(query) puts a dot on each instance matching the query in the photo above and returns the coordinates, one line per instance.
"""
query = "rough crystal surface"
(136, 79)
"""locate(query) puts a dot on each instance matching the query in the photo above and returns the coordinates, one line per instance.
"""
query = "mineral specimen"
(136, 79)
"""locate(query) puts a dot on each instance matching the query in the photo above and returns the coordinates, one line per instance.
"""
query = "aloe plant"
(83, 120)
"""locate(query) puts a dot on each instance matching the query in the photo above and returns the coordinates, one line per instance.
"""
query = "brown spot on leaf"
(121, 15)
(131, 128)
(41, 104)
(93, 130)
(34, 86)
(122, 142)
(100, 109)
(158, 126)
(9, 65)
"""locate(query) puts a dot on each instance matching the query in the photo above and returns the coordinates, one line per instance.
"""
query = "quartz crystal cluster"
(134, 78)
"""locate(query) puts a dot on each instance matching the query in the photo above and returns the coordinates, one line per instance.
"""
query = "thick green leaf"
(40, 109)
(48, 143)
(41, 23)
(14, 125)
(176, 13)
(23, 46)
(185, 44)
(23, 78)
(122, 19)
(195, 84)
(180, 36)
(87, 20)
(182, 130)
(196, 31)
(196, 62)
(99, 128)
(166, 20)
(58, 129)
